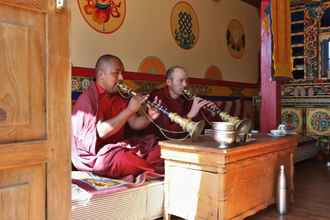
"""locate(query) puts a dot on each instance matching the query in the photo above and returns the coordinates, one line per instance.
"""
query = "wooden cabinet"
(185, 195)
(205, 182)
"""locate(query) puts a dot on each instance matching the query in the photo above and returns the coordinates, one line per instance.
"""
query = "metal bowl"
(223, 126)
(224, 138)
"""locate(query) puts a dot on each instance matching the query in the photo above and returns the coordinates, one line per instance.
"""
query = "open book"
(85, 185)
(94, 182)
(91, 185)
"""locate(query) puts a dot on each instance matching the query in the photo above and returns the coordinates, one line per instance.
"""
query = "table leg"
(167, 216)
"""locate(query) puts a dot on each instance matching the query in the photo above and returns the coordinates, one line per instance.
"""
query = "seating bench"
(144, 202)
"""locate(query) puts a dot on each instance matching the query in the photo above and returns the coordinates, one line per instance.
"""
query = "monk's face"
(178, 81)
(112, 74)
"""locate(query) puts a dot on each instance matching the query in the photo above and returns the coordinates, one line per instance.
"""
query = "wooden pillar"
(270, 90)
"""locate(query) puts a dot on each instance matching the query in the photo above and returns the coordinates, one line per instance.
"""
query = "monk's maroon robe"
(180, 106)
(111, 157)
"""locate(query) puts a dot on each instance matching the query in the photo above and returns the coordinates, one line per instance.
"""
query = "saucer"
(291, 132)
(272, 135)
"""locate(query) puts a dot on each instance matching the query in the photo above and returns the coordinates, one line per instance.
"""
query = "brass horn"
(193, 128)
(242, 126)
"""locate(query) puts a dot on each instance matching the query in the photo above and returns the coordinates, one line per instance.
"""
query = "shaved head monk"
(172, 97)
(98, 121)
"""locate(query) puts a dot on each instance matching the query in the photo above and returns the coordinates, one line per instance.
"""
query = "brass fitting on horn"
(241, 126)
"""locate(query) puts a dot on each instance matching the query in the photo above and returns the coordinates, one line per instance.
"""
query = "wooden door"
(34, 111)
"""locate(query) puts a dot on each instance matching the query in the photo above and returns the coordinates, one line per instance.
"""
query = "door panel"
(35, 111)
(25, 154)
(21, 196)
(22, 94)
(14, 193)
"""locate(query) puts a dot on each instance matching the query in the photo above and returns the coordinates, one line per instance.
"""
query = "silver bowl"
(223, 126)
(224, 138)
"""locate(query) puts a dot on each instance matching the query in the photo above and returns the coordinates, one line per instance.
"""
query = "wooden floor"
(312, 195)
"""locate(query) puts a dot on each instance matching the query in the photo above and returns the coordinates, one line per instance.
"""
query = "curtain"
(281, 32)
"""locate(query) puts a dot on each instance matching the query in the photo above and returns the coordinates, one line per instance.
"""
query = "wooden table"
(205, 182)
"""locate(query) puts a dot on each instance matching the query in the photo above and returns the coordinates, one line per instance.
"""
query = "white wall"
(146, 32)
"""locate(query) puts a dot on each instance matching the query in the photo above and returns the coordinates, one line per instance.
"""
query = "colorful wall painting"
(152, 65)
(318, 121)
(184, 25)
(105, 16)
(213, 72)
(235, 39)
(293, 119)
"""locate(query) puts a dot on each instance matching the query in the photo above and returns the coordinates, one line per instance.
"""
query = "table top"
(207, 145)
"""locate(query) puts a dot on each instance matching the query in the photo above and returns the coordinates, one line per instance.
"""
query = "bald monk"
(98, 120)
(172, 97)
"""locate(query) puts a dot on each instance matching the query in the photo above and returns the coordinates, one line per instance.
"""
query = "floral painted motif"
(80, 83)
(318, 121)
(75, 84)
(292, 118)
(104, 16)
(153, 65)
(213, 72)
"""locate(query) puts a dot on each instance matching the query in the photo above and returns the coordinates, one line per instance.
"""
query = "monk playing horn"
(98, 120)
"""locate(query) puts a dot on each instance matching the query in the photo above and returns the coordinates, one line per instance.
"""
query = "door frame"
(59, 114)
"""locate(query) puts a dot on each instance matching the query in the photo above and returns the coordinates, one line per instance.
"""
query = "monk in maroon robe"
(98, 120)
(172, 98)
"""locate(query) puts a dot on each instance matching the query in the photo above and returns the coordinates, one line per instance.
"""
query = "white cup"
(282, 127)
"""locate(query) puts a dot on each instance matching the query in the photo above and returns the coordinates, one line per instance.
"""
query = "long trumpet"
(242, 126)
(193, 128)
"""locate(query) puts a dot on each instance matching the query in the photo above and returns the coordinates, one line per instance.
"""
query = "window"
(325, 58)
(328, 57)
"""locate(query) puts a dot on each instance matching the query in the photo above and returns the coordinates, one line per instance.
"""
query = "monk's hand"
(198, 103)
(213, 106)
(152, 110)
(136, 102)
